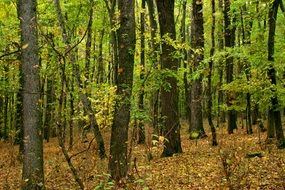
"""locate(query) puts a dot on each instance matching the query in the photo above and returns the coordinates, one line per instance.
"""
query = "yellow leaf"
(25, 46)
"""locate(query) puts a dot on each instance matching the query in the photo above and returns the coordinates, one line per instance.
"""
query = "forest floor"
(200, 166)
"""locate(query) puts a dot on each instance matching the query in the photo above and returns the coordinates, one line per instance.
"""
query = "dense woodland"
(142, 94)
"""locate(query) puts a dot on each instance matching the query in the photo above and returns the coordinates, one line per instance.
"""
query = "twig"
(10, 53)
(85, 150)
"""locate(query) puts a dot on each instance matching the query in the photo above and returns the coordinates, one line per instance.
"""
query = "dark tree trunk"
(274, 110)
(221, 114)
(5, 104)
(114, 39)
(184, 60)
(197, 43)
(169, 97)
(33, 175)
(1, 115)
(246, 39)
(47, 124)
(209, 90)
(255, 114)
(19, 115)
(154, 56)
(100, 74)
(141, 129)
(118, 162)
(72, 110)
(88, 46)
(229, 42)
(5, 116)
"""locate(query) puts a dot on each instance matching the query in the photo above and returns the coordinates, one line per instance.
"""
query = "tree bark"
(154, 56)
(33, 175)
(184, 61)
(209, 90)
(197, 43)
(118, 162)
(229, 42)
(169, 97)
(141, 129)
(88, 46)
(274, 110)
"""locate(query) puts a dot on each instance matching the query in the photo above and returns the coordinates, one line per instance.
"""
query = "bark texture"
(229, 35)
(197, 43)
(169, 97)
(33, 175)
(274, 111)
(118, 165)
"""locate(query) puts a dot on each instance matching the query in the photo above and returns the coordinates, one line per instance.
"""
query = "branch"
(10, 53)
(76, 44)
(85, 150)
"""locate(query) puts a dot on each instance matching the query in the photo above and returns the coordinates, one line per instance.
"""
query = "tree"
(197, 43)
(209, 90)
(229, 35)
(169, 94)
(141, 128)
(33, 175)
(118, 162)
(274, 114)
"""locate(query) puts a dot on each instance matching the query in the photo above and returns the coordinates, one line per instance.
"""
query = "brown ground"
(199, 167)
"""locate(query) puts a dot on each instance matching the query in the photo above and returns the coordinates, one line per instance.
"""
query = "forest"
(142, 94)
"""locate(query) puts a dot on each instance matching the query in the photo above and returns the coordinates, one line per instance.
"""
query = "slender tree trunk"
(141, 129)
(88, 46)
(100, 74)
(184, 62)
(169, 97)
(1, 115)
(114, 39)
(246, 35)
(83, 96)
(19, 116)
(154, 56)
(197, 43)
(72, 110)
(118, 162)
(221, 114)
(212, 51)
(274, 111)
(5, 116)
(33, 175)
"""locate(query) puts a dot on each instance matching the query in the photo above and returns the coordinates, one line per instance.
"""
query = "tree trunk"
(221, 113)
(118, 162)
(274, 110)
(184, 62)
(246, 39)
(154, 57)
(100, 74)
(141, 129)
(33, 175)
(169, 97)
(209, 90)
(229, 42)
(114, 38)
(72, 110)
(88, 46)
(197, 43)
